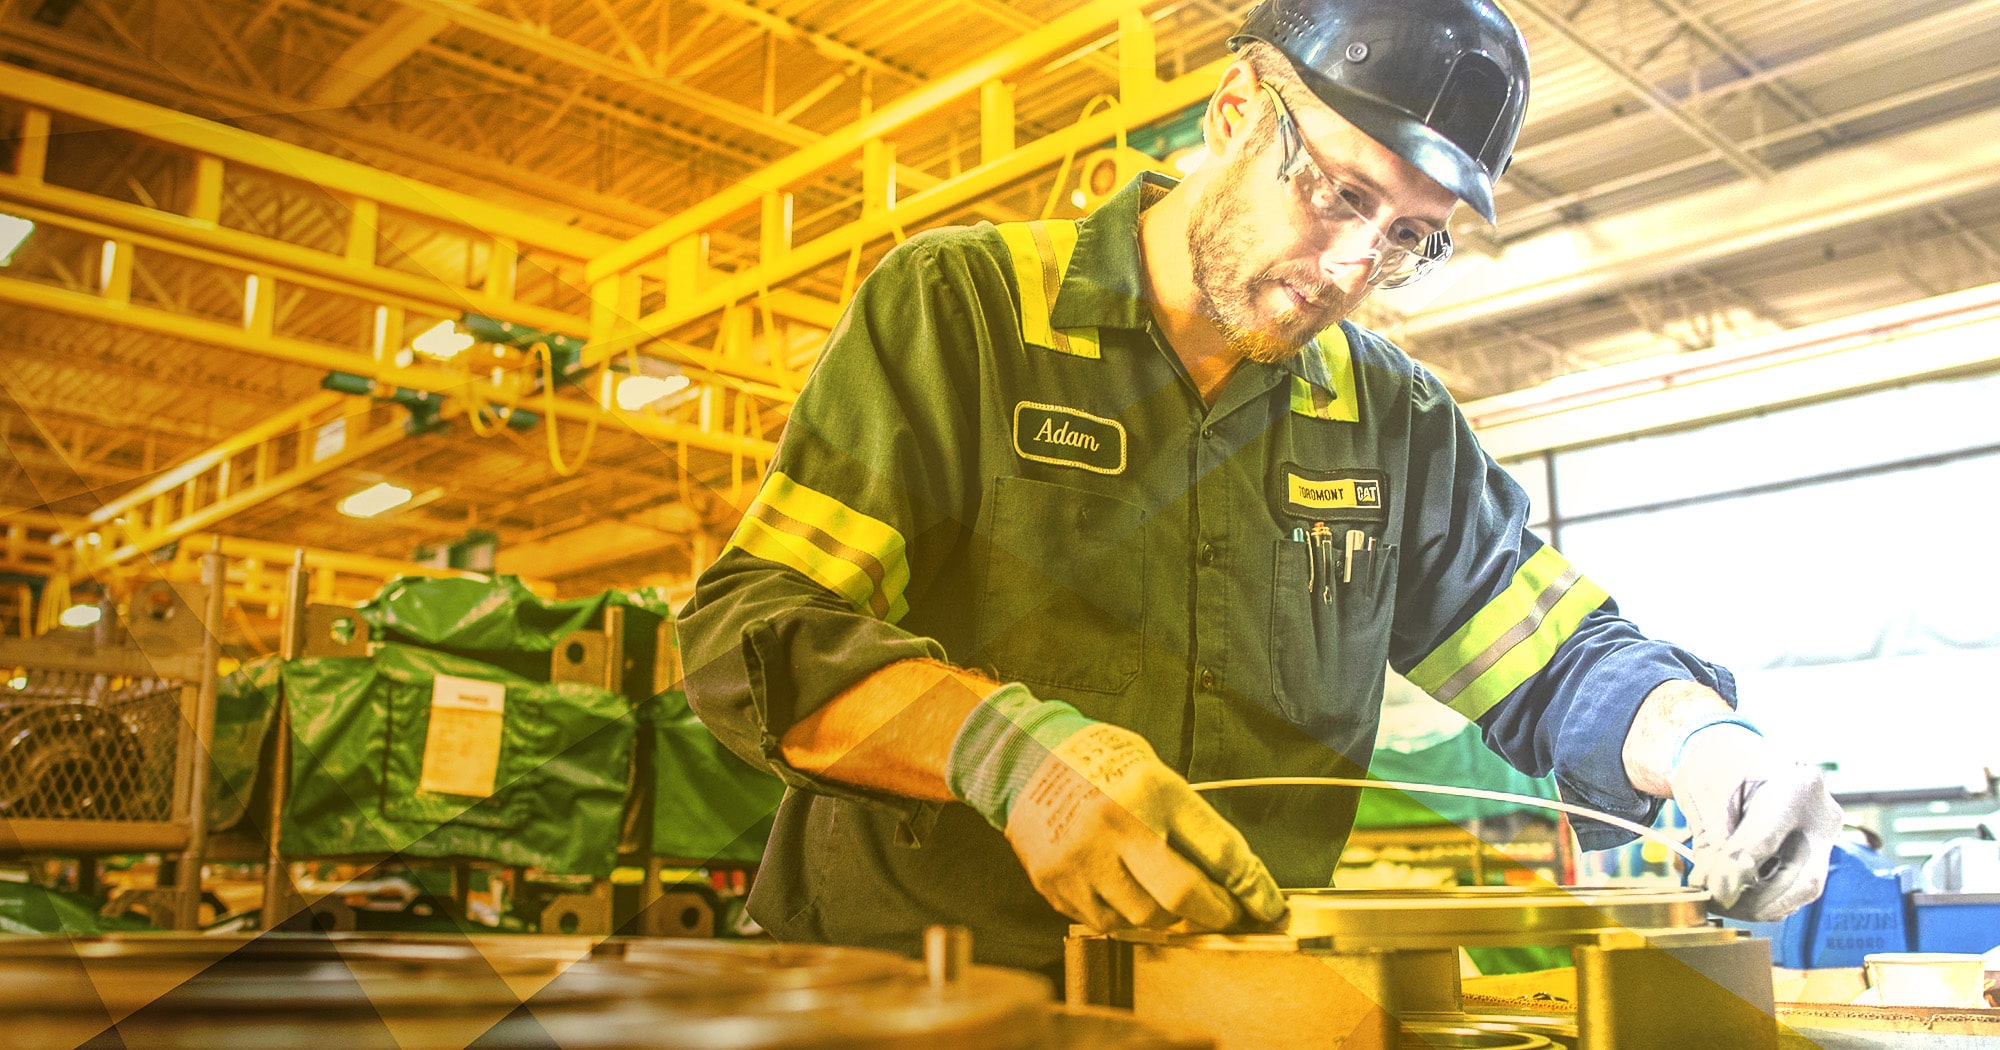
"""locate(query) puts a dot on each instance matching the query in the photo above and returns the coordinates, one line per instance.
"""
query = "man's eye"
(1333, 199)
(1409, 237)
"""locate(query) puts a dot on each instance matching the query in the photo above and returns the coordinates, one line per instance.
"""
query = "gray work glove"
(1763, 824)
(1109, 835)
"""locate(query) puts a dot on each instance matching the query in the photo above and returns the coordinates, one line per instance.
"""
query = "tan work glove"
(1108, 834)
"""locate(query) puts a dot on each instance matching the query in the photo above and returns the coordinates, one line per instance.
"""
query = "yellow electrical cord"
(1062, 173)
(562, 469)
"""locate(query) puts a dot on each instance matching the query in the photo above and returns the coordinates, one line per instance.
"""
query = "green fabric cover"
(503, 623)
(246, 703)
(26, 908)
(708, 805)
(1461, 761)
(358, 729)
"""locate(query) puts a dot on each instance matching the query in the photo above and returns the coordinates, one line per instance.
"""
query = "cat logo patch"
(1067, 437)
(1334, 495)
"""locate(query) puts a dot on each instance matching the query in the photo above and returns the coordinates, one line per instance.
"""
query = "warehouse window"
(1839, 557)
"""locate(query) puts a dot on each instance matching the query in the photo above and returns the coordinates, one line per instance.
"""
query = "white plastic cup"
(1927, 978)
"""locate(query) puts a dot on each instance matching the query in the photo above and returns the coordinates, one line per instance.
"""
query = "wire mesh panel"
(87, 747)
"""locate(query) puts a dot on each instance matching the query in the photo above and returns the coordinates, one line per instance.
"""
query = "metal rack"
(103, 744)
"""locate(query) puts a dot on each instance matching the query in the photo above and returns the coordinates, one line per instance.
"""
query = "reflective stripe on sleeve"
(849, 553)
(1512, 638)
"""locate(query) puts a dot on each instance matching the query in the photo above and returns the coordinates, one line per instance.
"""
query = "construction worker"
(1072, 514)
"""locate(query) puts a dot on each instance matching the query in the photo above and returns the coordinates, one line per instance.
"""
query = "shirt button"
(1208, 554)
(1206, 679)
(1208, 432)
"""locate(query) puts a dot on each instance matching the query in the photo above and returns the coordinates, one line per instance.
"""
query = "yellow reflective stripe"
(1040, 252)
(1512, 638)
(1035, 299)
(849, 553)
(1062, 239)
(1337, 401)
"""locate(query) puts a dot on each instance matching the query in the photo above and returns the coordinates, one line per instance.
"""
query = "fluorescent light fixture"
(81, 615)
(19, 681)
(442, 340)
(374, 499)
(636, 392)
(13, 231)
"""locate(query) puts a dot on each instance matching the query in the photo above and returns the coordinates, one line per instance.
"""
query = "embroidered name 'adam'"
(1063, 435)
(1069, 437)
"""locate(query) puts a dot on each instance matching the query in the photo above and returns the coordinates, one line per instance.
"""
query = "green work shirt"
(1000, 462)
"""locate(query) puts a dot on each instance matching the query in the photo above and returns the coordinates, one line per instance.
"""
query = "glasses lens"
(1401, 267)
(1326, 204)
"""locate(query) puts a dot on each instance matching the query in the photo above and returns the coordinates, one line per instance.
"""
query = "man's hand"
(1763, 825)
(1108, 834)
(1113, 838)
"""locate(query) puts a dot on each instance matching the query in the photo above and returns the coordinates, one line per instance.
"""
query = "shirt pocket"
(1063, 597)
(1330, 653)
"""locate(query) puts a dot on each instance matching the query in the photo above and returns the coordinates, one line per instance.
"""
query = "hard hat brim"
(1429, 152)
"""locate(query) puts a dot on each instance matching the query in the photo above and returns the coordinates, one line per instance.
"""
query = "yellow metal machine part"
(1368, 969)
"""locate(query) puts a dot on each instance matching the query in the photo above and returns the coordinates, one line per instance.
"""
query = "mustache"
(1319, 293)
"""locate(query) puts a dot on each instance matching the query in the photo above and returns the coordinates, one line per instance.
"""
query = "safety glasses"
(1398, 256)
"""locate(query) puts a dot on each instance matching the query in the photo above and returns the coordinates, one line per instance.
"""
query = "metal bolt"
(947, 954)
(1357, 51)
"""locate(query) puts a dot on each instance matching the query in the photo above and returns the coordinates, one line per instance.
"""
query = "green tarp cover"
(708, 805)
(501, 622)
(1460, 761)
(359, 729)
(246, 702)
(30, 909)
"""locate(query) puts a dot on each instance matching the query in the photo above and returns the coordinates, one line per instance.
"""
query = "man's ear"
(1228, 112)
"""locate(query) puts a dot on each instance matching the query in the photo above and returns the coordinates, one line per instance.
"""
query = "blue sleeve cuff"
(1590, 747)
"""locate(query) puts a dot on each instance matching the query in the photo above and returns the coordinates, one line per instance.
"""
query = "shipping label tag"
(462, 745)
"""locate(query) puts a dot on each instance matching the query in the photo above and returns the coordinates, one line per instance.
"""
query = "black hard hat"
(1441, 83)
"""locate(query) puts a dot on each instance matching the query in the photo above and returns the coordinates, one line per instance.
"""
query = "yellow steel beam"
(1166, 98)
(281, 423)
(191, 238)
(313, 444)
(337, 175)
(371, 57)
(658, 83)
(256, 567)
(353, 271)
(431, 379)
(651, 81)
(820, 42)
(747, 192)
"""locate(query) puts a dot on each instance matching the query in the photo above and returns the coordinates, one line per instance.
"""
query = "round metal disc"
(444, 993)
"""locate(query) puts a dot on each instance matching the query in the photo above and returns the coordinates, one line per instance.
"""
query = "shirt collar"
(1105, 285)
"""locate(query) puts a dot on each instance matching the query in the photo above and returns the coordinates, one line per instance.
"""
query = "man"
(1073, 514)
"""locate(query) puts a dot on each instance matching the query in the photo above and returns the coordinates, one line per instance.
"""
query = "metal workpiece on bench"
(1369, 969)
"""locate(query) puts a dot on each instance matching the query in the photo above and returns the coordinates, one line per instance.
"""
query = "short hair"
(1273, 68)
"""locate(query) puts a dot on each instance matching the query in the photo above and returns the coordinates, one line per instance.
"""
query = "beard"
(1229, 281)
